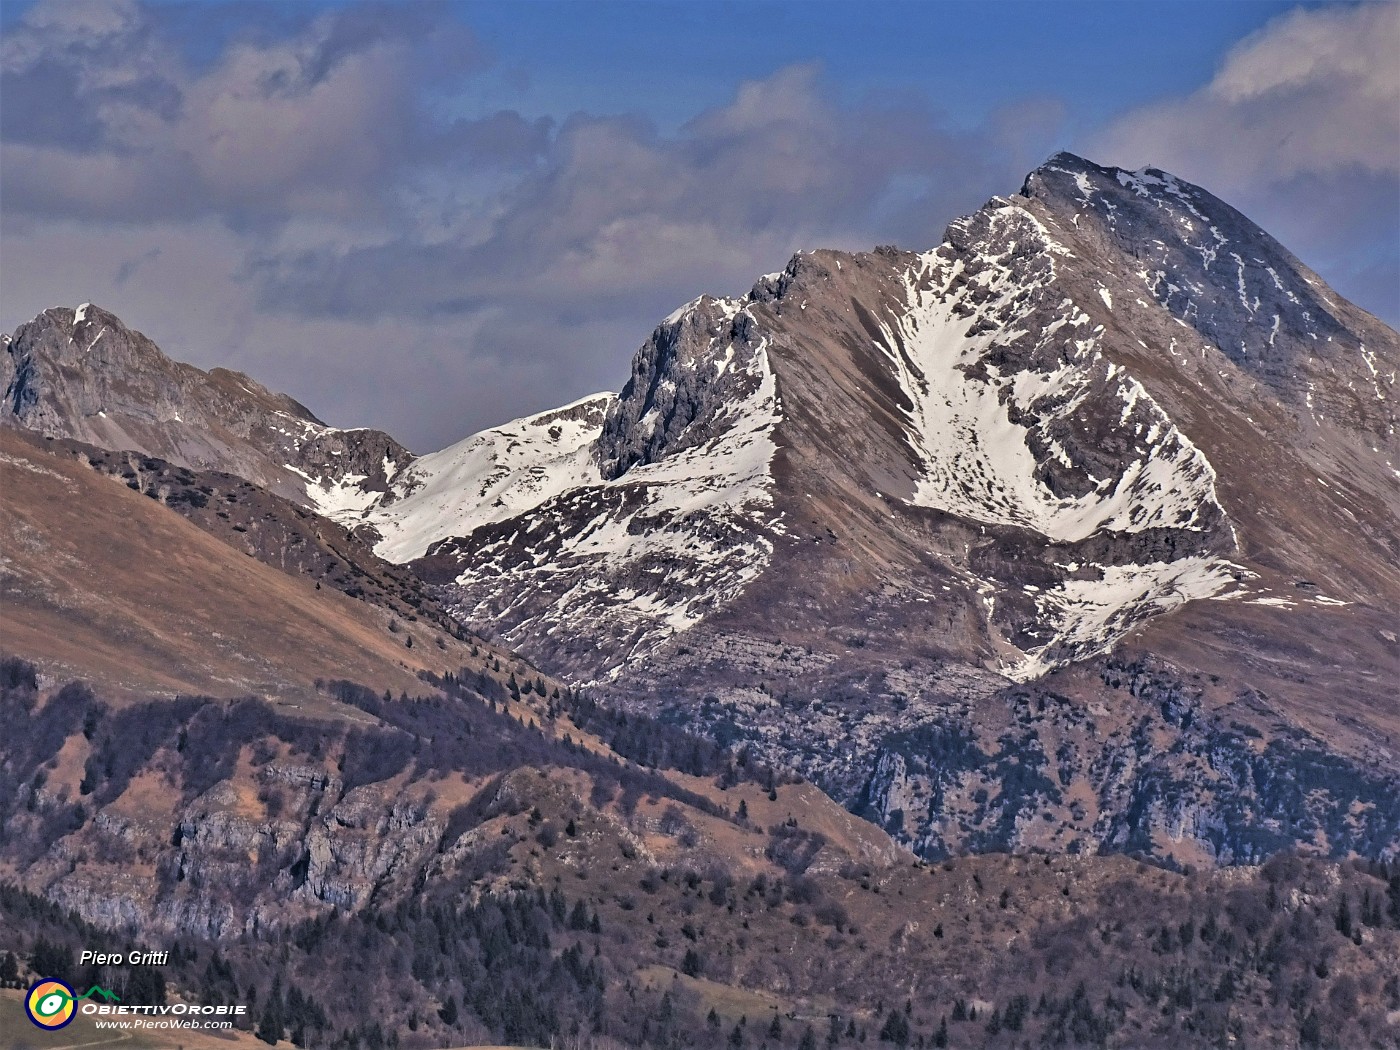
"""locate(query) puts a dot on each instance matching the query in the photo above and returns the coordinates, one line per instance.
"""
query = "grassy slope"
(101, 582)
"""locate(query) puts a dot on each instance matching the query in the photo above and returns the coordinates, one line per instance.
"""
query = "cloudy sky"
(434, 217)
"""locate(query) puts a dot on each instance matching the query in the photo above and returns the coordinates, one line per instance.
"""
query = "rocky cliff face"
(700, 365)
(82, 374)
(216, 820)
(1119, 754)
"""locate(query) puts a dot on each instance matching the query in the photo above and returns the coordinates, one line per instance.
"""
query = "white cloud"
(1315, 92)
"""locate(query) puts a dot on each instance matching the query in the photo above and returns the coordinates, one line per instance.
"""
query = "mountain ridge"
(101, 580)
(960, 381)
(909, 447)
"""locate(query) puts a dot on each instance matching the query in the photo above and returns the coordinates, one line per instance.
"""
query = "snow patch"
(979, 464)
(1090, 615)
(490, 477)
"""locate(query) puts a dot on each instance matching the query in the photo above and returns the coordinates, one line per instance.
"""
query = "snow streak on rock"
(982, 424)
(1005, 395)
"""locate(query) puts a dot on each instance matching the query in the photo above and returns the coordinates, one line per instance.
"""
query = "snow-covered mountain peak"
(896, 405)
(1201, 259)
(1008, 430)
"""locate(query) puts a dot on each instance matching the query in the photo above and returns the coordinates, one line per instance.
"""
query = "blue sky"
(485, 207)
(668, 59)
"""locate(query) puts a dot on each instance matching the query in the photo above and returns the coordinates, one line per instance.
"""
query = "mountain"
(82, 374)
(1098, 400)
(865, 499)
(1076, 532)
(1037, 435)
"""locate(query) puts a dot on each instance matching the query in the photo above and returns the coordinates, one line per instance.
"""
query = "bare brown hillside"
(99, 581)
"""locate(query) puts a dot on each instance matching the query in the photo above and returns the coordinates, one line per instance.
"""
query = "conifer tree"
(448, 1011)
(1344, 917)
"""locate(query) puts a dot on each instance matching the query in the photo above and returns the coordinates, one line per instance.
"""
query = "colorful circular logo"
(50, 1004)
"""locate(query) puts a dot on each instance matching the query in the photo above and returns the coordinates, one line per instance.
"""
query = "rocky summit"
(79, 373)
